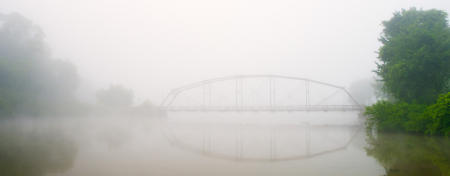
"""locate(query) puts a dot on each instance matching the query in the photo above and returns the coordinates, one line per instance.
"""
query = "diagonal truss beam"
(170, 98)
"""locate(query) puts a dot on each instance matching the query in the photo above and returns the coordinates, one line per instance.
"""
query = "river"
(205, 144)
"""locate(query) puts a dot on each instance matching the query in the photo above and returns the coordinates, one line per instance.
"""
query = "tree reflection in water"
(410, 155)
(32, 151)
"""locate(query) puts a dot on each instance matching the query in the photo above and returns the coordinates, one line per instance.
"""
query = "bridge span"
(252, 93)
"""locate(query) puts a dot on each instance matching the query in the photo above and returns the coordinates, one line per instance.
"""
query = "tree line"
(414, 69)
(34, 83)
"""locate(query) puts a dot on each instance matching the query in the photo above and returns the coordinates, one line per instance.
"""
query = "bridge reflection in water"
(258, 142)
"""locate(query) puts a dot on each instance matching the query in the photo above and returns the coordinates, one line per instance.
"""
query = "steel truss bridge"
(270, 90)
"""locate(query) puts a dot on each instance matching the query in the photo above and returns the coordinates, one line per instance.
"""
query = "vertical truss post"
(206, 96)
(307, 92)
(241, 89)
(239, 94)
(236, 98)
(271, 92)
(209, 95)
(274, 88)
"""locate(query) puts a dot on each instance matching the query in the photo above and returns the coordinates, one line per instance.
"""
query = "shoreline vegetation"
(432, 119)
(414, 68)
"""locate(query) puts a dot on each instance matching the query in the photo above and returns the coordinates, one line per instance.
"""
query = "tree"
(20, 38)
(31, 81)
(414, 59)
(115, 96)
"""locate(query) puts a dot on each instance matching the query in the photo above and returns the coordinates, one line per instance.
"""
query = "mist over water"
(212, 143)
(199, 144)
(200, 87)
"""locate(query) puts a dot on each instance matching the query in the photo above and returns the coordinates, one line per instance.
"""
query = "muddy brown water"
(215, 144)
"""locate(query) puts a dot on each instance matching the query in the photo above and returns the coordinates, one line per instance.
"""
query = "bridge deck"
(267, 108)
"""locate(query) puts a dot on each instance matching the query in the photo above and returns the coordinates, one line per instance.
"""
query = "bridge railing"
(267, 108)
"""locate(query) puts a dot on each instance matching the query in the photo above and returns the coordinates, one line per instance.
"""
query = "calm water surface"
(215, 144)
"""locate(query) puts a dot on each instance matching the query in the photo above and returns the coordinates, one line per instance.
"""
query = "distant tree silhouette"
(115, 96)
(31, 81)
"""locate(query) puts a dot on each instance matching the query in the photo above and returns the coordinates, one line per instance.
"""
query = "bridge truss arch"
(304, 94)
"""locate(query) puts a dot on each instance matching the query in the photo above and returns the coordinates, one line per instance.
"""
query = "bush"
(388, 116)
(439, 115)
(416, 118)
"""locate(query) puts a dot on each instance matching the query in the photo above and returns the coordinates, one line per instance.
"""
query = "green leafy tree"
(414, 59)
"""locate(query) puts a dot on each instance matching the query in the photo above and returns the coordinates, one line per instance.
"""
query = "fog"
(154, 46)
(200, 87)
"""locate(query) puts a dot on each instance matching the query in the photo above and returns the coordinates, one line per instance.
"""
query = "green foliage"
(446, 86)
(433, 119)
(414, 67)
(115, 96)
(388, 116)
(31, 82)
(439, 115)
(414, 60)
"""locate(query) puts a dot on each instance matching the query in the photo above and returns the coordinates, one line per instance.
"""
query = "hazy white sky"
(152, 46)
